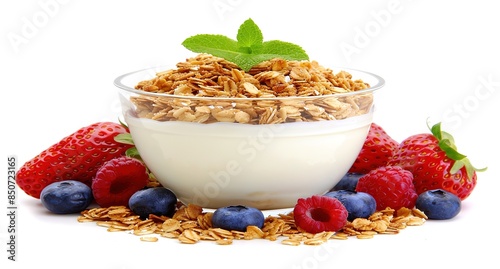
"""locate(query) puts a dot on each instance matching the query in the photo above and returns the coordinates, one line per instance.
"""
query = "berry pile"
(424, 171)
(89, 165)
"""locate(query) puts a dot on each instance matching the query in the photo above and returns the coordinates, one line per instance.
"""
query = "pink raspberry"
(117, 179)
(391, 186)
(320, 213)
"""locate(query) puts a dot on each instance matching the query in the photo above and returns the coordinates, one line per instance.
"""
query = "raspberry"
(117, 180)
(320, 213)
(391, 186)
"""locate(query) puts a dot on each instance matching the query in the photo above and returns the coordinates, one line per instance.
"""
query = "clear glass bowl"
(259, 152)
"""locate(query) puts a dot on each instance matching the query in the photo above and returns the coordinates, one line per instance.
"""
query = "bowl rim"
(118, 82)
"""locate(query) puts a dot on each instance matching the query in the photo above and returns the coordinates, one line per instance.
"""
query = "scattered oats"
(290, 242)
(314, 241)
(190, 224)
(369, 233)
(340, 237)
(173, 234)
(415, 221)
(418, 213)
(149, 239)
(170, 225)
(189, 237)
(225, 241)
(364, 236)
(404, 212)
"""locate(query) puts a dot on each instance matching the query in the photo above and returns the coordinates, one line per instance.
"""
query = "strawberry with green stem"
(76, 157)
(435, 163)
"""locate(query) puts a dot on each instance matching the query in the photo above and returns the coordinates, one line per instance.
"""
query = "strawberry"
(435, 163)
(318, 213)
(117, 180)
(76, 157)
(376, 151)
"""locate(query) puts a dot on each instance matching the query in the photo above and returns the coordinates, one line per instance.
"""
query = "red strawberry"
(435, 163)
(76, 157)
(391, 186)
(117, 179)
(320, 213)
(376, 151)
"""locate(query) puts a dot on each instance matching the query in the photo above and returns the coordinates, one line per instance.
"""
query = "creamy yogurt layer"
(267, 166)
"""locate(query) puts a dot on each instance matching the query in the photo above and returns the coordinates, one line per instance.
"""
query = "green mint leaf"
(249, 35)
(247, 61)
(217, 45)
(249, 49)
(286, 50)
(270, 50)
(259, 55)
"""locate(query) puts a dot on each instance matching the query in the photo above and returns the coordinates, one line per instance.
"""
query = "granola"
(274, 91)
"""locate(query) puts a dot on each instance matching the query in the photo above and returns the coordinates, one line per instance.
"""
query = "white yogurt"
(263, 166)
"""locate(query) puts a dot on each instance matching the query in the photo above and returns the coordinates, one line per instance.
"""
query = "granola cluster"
(275, 91)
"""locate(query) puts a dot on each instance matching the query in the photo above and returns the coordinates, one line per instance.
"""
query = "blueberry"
(237, 218)
(158, 201)
(66, 197)
(439, 204)
(358, 204)
(348, 182)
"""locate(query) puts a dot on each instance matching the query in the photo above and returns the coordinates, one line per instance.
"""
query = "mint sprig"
(249, 48)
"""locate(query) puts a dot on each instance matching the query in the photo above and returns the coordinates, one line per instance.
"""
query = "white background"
(440, 60)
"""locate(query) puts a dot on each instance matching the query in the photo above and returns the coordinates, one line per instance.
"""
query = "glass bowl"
(259, 152)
